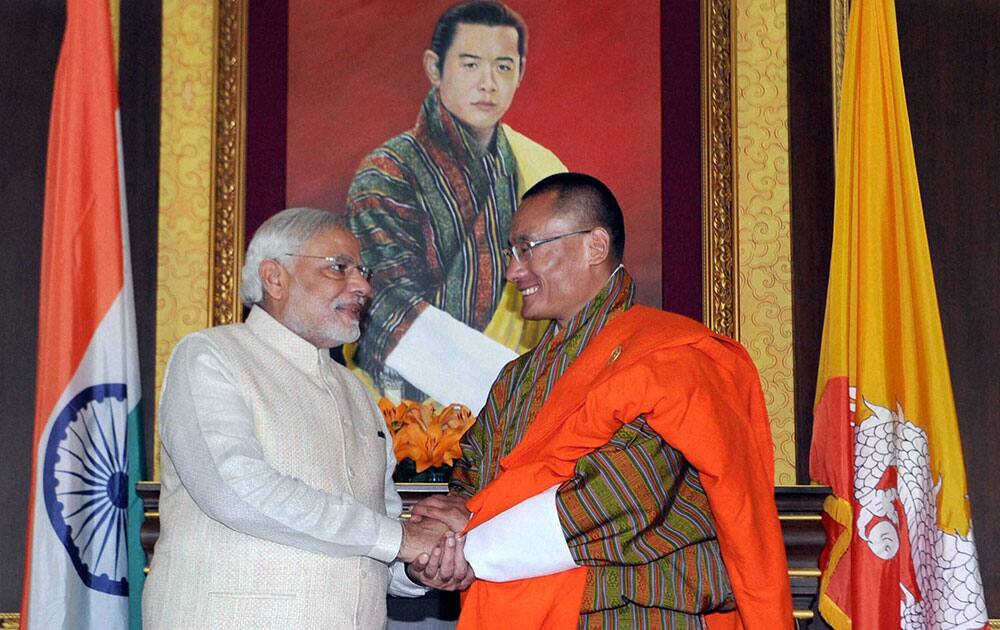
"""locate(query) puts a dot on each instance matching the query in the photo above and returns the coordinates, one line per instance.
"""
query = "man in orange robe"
(608, 375)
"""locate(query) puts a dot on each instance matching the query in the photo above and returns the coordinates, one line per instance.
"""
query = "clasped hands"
(434, 546)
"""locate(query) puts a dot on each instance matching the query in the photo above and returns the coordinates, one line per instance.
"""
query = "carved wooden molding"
(229, 161)
(718, 216)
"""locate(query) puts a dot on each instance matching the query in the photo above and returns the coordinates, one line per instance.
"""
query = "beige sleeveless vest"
(315, 422)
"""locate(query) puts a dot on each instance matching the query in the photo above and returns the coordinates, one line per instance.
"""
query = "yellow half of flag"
(885, 437)
(882, 328)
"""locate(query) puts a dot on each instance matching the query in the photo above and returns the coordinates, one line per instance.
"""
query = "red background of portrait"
(591, 94)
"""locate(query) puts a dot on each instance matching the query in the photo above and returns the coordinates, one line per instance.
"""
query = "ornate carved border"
(718, 216)
(229, 155)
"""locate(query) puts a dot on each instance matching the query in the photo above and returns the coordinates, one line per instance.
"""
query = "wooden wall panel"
(30, 34)
(812, 176)
(951, 69)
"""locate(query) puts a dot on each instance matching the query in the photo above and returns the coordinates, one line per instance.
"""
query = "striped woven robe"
(635, 511)
(432, 212)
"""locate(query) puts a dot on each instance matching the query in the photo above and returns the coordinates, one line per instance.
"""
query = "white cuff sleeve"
(400, 584)
(523, 542)
(448, 360)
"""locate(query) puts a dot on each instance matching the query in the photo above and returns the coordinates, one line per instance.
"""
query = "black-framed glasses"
(521, 251)
(340, 266)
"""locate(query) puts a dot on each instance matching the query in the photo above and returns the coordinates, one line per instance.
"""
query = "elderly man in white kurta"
(277, 508)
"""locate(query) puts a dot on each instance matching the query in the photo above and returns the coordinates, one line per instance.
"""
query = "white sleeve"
(523, 542)
(208, 432)
(448, 360)
(400, 583)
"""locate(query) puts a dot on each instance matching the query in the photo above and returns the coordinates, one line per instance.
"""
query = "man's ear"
(431, 67)
(273, 278)
(598, 246)
(520, 75)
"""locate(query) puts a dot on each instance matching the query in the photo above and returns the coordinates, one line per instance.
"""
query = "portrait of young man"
(432, 205)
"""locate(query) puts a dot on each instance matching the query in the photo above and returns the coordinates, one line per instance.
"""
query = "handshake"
(433, 546)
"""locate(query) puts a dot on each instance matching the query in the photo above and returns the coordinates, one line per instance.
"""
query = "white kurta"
(277, 507)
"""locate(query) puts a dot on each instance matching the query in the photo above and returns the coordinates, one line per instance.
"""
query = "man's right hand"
(420, 538)
(448, 509)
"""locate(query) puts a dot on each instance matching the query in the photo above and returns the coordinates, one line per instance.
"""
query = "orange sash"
(701, 393)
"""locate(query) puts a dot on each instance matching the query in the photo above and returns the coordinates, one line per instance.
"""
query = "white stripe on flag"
(81, 490)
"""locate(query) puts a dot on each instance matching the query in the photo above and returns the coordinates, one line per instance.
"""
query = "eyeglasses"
(521, 251)
(340, 266)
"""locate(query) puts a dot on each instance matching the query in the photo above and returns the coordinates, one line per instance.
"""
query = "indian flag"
(900, 550)
(84, 515)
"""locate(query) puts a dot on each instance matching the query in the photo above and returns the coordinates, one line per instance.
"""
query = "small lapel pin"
(617, 352)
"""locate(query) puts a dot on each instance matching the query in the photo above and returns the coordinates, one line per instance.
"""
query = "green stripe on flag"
(136, 555)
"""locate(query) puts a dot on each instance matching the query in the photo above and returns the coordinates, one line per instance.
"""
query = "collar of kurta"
(284, 341)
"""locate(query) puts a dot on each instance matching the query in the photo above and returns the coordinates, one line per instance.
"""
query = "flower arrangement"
(425, 435)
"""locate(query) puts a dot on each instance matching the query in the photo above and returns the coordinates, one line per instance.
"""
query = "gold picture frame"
(721, 273)
(206, 45)
(732, 304)
(719, 299)
(229, 162)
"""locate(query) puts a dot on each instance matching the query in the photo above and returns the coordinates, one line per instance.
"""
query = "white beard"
(327, 335)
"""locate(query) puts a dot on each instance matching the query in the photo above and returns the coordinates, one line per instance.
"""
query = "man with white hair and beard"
(277, 507)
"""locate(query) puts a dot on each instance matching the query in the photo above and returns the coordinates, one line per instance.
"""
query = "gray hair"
(283, 233)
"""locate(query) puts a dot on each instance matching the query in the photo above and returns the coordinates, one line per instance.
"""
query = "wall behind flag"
(30, 35)
(951, 70)
(139, 103)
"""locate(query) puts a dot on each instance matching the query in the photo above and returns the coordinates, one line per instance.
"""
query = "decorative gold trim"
(10, 620)
(994, 624)
(840, 10)
(229, 155)
(718, 217)
(799, 517)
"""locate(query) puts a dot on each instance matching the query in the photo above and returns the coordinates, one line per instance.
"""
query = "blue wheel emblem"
(85, 481)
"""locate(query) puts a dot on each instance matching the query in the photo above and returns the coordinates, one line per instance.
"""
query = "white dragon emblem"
(950, 589)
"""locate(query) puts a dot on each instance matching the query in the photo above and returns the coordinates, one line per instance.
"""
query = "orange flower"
(425, 435)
